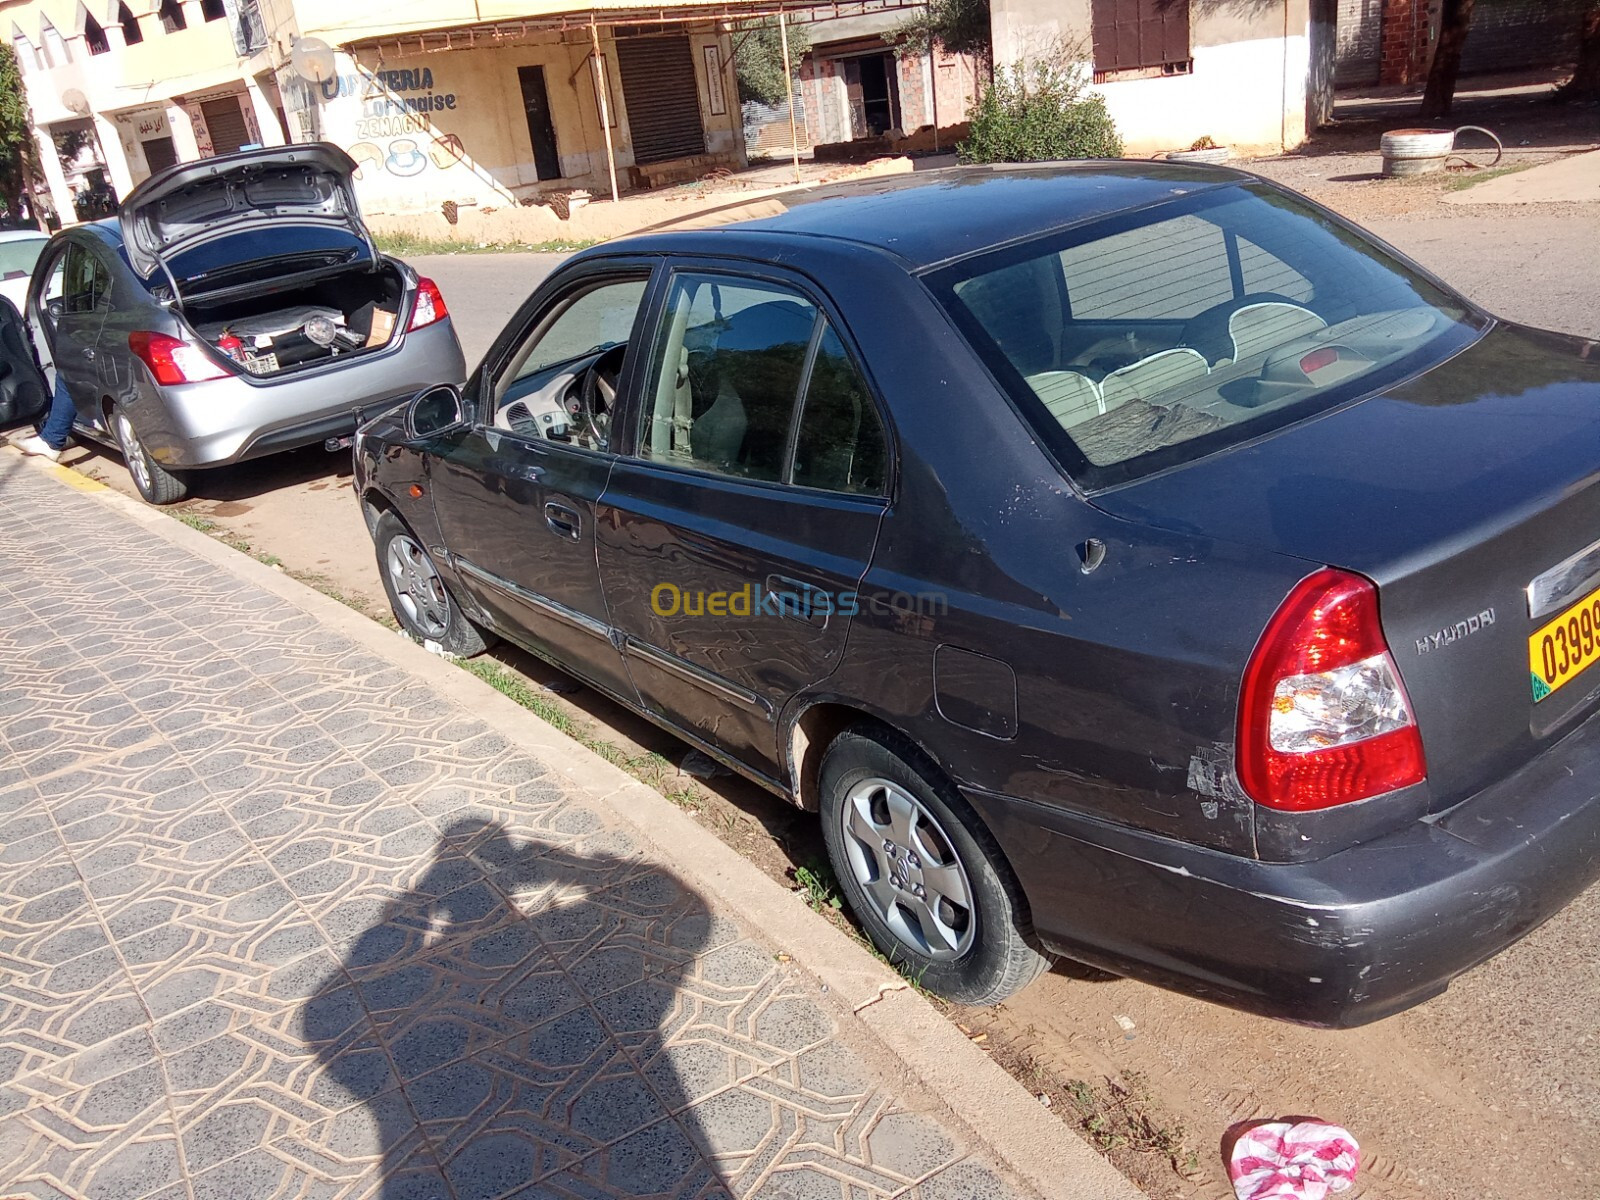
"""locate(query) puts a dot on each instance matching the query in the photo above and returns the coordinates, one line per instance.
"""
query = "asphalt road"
(482, 291)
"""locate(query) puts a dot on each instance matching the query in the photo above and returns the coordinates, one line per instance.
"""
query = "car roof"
(17, 235)
(930, 217)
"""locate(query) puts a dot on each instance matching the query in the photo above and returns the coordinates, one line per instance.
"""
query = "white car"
(19, 251)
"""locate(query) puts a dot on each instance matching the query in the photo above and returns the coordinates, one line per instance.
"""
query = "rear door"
(743, 513)
(515, 494)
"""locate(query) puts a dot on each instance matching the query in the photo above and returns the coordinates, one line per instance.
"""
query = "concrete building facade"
(444, 104)
(1255, 76)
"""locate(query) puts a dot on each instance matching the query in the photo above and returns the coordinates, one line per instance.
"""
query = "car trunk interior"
(282, 327)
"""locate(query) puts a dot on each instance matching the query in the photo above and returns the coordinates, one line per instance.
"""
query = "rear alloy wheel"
(421, 602)
(155, 483)
(922, 873)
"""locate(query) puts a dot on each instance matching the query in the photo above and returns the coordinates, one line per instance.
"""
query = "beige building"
(1253, 75)
(444, 104)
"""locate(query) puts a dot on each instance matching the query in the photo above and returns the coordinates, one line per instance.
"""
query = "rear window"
(18, 255)
(1140, 342)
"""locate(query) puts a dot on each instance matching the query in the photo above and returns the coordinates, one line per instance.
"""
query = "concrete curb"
(905, 1032)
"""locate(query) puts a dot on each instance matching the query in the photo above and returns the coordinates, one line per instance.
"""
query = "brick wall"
(1403, 46)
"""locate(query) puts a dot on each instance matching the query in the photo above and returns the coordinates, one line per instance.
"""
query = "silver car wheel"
(908, 869)
(132, 451)
(417, 587)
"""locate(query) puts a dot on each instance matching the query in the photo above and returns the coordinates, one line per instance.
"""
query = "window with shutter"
(1134, 39)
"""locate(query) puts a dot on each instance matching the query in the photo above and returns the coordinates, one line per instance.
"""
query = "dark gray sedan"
(1131, 562)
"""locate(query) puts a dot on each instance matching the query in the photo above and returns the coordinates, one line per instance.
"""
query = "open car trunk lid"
(196, 204)
(1471, 496)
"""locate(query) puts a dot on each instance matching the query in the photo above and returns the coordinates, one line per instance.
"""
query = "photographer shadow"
(520, 994)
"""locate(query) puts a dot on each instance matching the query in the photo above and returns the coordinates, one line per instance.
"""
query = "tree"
(1455, 18)
(1585, 81)
(959, 26)
(16, 136)
(758, 61)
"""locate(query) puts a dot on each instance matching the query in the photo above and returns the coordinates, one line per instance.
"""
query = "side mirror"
(435, 410)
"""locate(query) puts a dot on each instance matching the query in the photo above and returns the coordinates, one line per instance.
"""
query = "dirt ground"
(1489, 1092)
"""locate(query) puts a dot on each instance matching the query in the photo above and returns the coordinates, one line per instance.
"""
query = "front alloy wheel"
(421, 602)
(419, 592)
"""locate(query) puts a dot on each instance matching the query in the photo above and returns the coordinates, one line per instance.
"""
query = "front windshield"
(18, 255)
(1152, 338)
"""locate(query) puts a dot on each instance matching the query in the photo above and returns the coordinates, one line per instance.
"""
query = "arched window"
(94, 36)
(131, 33)
(212, 10)
(172, 18)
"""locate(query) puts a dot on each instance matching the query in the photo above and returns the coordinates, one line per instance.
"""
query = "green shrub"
(1039, 111)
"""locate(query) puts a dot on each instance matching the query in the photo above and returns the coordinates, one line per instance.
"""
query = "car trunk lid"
(200, 203)
(1454, 492)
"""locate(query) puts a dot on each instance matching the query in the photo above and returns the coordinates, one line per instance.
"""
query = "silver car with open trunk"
(237, 307)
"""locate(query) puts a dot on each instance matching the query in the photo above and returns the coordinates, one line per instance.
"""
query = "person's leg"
(57, 427)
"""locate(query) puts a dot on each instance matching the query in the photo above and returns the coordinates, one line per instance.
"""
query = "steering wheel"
(597, 395)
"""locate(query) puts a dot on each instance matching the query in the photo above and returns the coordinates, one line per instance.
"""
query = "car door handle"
(88, 352)
(563, 521)
(800, 601)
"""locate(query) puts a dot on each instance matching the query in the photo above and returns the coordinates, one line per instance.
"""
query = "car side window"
(86, 283)
(562, 381)
(840, 445)
(725, 376)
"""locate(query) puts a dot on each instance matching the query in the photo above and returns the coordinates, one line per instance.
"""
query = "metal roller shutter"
(1360, 26)
(658, 86)
(225, 121)
(1511, 35)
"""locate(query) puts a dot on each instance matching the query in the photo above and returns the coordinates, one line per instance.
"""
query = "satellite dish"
(312, 60)
(75, 101)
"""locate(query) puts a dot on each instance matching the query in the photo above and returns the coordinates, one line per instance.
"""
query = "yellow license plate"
(1566, 647)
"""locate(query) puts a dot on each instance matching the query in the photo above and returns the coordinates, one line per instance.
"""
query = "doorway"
(872, 87)
(159, 154)
(541, 128)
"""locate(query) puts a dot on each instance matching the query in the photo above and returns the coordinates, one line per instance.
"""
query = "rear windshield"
(1150, 339)
(17, 256)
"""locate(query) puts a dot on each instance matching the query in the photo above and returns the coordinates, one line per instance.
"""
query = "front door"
(735, 530)
(515, 489)
(24, 395)
(541, 128)
(75, 299)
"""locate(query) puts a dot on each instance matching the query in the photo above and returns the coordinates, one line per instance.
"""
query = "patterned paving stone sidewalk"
(277, 919)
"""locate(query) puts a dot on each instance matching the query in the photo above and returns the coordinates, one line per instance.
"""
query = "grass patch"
(1460, 183)
(818, 885)
(1118, 1116)
(404, 244)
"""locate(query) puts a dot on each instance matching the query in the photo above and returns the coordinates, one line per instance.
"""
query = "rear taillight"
(1323, 716)
(429, 306)
(172, 360)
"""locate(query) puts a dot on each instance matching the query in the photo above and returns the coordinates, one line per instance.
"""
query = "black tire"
(422, 604)
(979, 956)
(154, 482)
